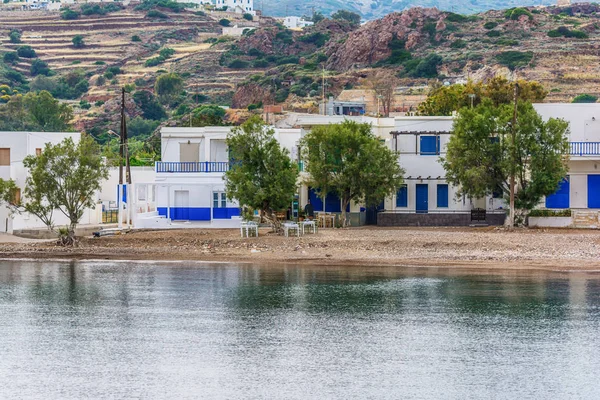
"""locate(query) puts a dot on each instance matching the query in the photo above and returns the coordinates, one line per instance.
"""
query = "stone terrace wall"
(399, 219)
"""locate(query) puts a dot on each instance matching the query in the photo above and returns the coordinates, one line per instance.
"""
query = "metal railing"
(191, 167)
(584, 148)
(110, 216)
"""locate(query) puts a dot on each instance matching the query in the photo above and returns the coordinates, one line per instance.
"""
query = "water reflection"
(82, 330)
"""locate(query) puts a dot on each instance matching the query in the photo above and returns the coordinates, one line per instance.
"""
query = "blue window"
(560, 199)
(430, 145)
(402, 196)
(442, 196)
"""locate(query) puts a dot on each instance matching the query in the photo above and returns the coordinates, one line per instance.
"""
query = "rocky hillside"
(372, 9)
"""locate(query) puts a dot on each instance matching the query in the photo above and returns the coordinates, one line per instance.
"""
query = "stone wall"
(449, 219)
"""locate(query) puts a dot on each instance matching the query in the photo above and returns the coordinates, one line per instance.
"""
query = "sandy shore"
(557, 250)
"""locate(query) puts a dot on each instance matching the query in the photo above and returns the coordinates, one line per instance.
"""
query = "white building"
(238, 6)
(14, 147)
(296, 23)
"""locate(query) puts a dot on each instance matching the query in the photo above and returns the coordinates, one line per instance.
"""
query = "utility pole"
(513, 153)
(323, 84)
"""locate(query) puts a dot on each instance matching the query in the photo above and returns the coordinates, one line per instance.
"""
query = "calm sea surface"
(111, 330)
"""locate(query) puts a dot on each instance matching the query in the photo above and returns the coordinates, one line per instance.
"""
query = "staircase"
(585, 219)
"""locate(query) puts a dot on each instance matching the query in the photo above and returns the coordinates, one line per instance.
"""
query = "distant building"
(296, 23)
(352, 108)
(238, 6)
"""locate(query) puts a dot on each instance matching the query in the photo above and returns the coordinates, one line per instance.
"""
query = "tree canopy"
(444, 100)
(346, 15)
(481, 154)
(262, 175)
(347, 159)
(168, 86)
(37, 112)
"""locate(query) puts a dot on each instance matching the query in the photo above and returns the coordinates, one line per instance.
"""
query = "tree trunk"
(345, 221)
(271, 218)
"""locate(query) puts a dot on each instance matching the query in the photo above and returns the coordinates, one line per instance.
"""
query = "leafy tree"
(345, 15)
(248, 17)
(39, 67)
(208, 115)
(317, 17)
(136, 38)
(482, 155)
(141, 127)
(69, 14)
(224, 22)
(15, 36)
(151, 108)
(14, 115)
(65, 178)
(168, 86)
(585, 98)
(349, 160)
(10, 57)
(444, 100)
(514, 59)
(26, 52)
(47, 113)
(263, 176)
(78, 41)
(156, 14)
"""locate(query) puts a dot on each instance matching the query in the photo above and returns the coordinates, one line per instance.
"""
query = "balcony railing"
(191, 167)
(585, 148)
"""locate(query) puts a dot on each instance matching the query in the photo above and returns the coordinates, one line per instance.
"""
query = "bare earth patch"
(559, 250)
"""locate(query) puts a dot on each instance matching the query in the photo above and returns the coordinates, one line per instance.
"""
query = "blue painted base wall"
(199, 213)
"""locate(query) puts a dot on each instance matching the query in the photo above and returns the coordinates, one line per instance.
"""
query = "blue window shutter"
(560, 199)
(442, 195)
(430, 145)
(402, 196)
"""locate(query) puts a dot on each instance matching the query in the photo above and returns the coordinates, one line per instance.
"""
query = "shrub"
(490, 25)
(566, 32)
(84, 104)
(69, 14)
(550, 213)
(458, 18)
(109, 75)
(78, 41)
(156, 14)
(99, 103)
(238, 64)
(585, 98)
(136, 38)
(130, 87)
(515, 13)
(200, 13)
(317, 38)
(153, 62)
(253, 107)
(151, 108)
(10, 57)
(255, 53)
(493, 33)
(114, 70)
(514, 59)
(423, 68)
(167, 52)
(507, 42)
(39, 67)
(101, 81)
(288, 60)
(15, 36)
(248, 17)
(26, 52)
(224, 22)
(260, 63)
(15, 76)
(458, 44)
(99, 63)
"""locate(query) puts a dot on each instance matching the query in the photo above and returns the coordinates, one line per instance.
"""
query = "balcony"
(191, 167)
(584, 148)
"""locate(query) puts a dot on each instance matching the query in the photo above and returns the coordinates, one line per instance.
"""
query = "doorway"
(181, 211)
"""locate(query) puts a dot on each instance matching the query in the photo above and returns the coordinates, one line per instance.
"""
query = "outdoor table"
(309, 224)
(247, 227)
(291, 226)
(327, 220)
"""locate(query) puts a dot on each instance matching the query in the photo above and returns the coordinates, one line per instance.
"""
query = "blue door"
(560, 199)
(593, 191)
(422, 198)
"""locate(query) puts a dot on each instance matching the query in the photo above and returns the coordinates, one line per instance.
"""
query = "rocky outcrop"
(370, 43)
(251, 94)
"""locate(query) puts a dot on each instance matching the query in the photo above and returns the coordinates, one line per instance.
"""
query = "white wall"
(108, 192)
(584, 119)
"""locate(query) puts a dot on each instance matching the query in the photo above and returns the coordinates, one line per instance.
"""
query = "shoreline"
(475, 249)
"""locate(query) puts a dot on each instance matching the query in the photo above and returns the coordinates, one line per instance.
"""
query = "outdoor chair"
(249, 227)
(311, 225)
(291, 227)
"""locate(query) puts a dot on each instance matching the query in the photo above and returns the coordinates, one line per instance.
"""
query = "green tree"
(15, 36)
(585, 98)
(263, 176)
(39, 67)
(482, 155)
(208, 115)
(47, 113)
(168, 87)
(349, 160)
(224, 22)
(26, 52)
(345, 15)
(69, 14)
(78, 41)
(63, 178)
(151, 108)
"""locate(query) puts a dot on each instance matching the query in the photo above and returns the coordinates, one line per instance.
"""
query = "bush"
(151, 108)
(109, 75)
(260, 63)
(156, 14)
(225, 22)
(26, 52)
(200, 13)
(458, 44)
(507, 42)
(238, 64)
(85, 105)
(10, 57)
(136, 38)
(585, 98)
(566, 32)
(317, 38)
(139, 126)
(15, 36)
(288, 60)
(516, 13)
(99, 63)
(39, 67)
(248, 17)
(344, 15)
(15, 76)
(101, 81)
(114, 70)
(99, 103)
(96, 9)
(493, 33)
(514, 59)
(78, 41)
(490, 25)
(423, 68)
(167, 52)
(69, 14)
(550, 213)
(169, 4)
(458, 18)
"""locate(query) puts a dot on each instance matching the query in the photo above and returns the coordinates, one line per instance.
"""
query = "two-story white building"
(14, 147)
(238, 6)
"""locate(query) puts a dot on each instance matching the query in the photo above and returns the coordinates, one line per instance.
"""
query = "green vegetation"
(69, 14)
(490, 25)
(563, 31)
(423, 68)
(78, 41)
(458, 44)
(168, 87)
(97, 9)
(263, 176)
(550, 213)
(493, 34)
(26, 52)
(399, 53)
(14, 36)
(224, 22)
(317, 38)
(10, 57)
(345, 15)
(163, 55)
(482, 156)
(514, 59)
(516, 13)
(347, 159)
(151, 108)
(156, 14)
(248, 17)
(585, 98)
(165, 4)
(136, 38)
(39, 67)
(35, 112)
